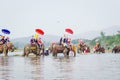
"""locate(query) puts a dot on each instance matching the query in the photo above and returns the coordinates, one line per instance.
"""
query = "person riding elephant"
(63, 40)
(3, 45)
(66, 45)
(40, 44)
(32, 47)
(32, 40)
(87, 49)
(67, 42)
(116, 49)
(2, 41)
(82, 43)
(9, 44)
(81, 46)
(57, 48)
(97, 46)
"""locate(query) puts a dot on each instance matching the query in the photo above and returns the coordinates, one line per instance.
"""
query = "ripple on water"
(85, 67)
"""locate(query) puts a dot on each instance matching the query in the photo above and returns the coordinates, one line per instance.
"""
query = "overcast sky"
(22, 17)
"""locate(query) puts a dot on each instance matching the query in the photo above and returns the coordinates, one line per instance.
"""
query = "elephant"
(80, 49)
(116, 49)
(50, 48)
(33, 48)
(10, 46)
(87, 49)
(99, 50)
(4, 49)
(57, 48)
(83, 49)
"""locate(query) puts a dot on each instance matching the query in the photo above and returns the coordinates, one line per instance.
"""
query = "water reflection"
(63, 68)
(31, 68)
(5, 68)
(85, 67)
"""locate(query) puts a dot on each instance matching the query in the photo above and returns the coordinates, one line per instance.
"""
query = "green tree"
(102, 34)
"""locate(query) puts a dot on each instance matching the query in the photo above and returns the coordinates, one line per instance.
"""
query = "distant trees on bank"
(105, 41)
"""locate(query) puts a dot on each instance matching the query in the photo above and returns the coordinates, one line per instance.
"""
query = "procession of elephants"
(64, 46)
(54, 49)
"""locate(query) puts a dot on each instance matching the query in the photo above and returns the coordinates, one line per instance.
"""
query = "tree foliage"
(107, 41)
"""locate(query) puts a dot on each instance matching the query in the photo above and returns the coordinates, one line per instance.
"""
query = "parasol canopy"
(5, 31)
(68, 30)
(39, 31)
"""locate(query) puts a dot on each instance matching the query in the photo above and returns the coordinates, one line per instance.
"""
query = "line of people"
(65, 41)
(36, 40)
(40, 44)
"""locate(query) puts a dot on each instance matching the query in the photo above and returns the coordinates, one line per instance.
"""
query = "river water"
(82, 67)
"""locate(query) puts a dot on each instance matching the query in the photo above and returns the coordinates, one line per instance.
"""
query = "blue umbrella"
(5, 31)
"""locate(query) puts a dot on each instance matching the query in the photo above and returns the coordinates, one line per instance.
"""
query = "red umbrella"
(39, 31)
(68, 30)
